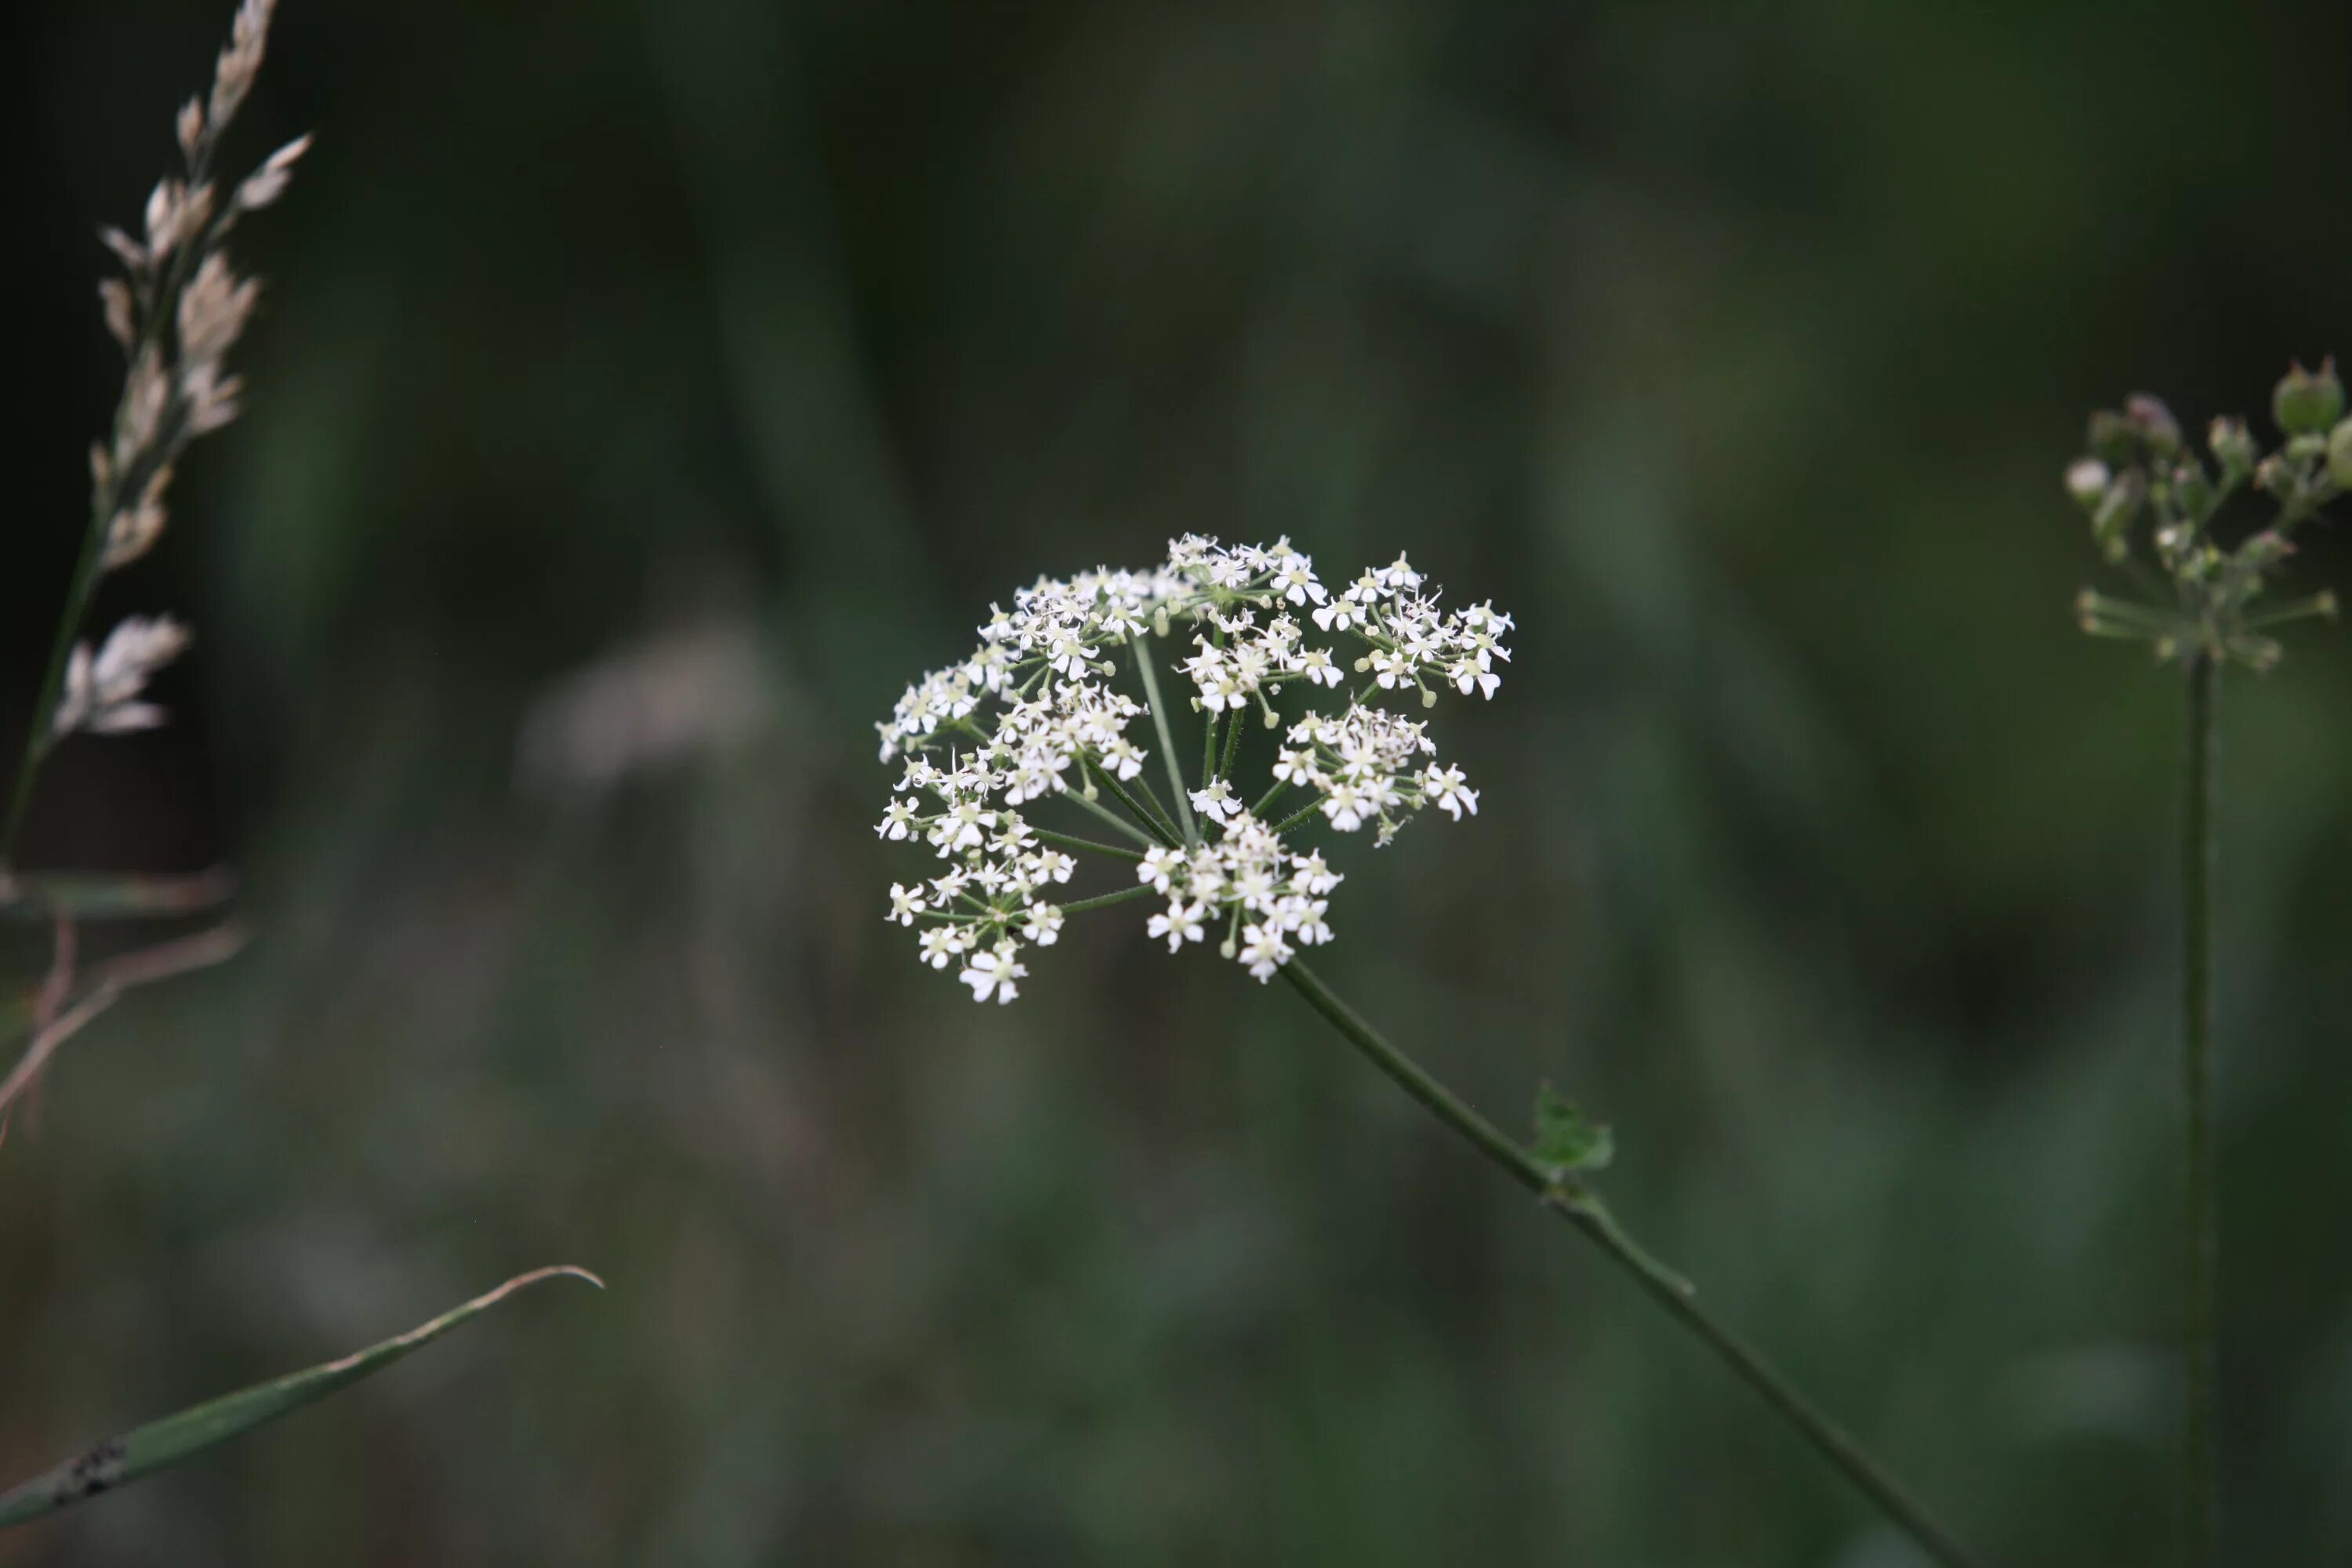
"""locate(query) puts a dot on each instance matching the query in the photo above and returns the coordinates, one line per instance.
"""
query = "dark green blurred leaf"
(120, 1461)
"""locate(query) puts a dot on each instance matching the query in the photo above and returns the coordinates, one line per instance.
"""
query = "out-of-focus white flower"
(654, 704)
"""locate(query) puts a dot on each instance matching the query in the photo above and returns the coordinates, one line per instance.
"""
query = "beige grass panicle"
(177, 310)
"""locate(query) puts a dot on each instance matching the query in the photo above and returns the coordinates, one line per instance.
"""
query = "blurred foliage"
(1737, 351)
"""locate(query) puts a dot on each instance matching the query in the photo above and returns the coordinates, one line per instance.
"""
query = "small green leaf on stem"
(120, 1461)
(1567, 1140)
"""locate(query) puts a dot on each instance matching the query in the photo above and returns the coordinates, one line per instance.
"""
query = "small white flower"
(993, 973)
(1042, 923)
(1264, 951)
(1158, 865)
(1123, 759)
(1179, 925)
(1295, 582)
(1468, 676)
(1216, 802)
(906, 903)
(1447, 790)
(1345, 806)
(1313, 875)
(941, 943)
(897, 821)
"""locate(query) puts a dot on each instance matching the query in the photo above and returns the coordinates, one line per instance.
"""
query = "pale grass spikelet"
(241, 61)
(177, 313)
(134, 529)
(269, 183)
(1031, 717)
(190, 127)
(182, 308)
(121, 322)
(213, 310)
(102, 688)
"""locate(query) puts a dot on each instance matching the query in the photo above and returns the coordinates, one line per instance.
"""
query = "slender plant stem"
(1111, 818)
(1071, 841)
(1155, 822)
(1233, 743)
(1167, 739)
(1122, 896)
(1268, 798)
(1301, 814)
(1149, 799)
(2201, 1222)
(1585, 1210)
(1208, 750)
(37, 741)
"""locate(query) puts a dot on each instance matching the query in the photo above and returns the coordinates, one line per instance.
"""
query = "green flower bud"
(2111, 438)
(2233, 447)
(2192, 489)
(2265, 551)
(2153, 423)
(2086, 482)
(2306, 403)
(2339, 454)
(2115, 512)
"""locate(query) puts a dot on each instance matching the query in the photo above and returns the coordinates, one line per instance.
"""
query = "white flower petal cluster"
(1367, 765)
(1272, 899)
(1030, 716)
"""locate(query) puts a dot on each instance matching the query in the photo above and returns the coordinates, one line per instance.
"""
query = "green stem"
(1156, 821)
(1167, 740)
(38, 742)
(1232, 745)
(1071, 841)
(1111, 818)
(1584, 1210)
(1149, 798)
(1208, 750)
(1301, 814)
(1122, 896)
(2201, 1223)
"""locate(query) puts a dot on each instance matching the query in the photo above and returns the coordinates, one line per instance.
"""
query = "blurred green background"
(673, 379)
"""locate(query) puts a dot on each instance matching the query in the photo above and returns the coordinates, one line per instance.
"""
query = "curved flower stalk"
(2154, 506)
(1032, 717)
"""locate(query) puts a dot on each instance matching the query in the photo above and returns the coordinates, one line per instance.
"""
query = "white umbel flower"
(1032, 718)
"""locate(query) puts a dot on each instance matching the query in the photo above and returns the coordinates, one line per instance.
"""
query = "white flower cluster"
(1367, 765)
(1270, 896)
(1030, 716)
